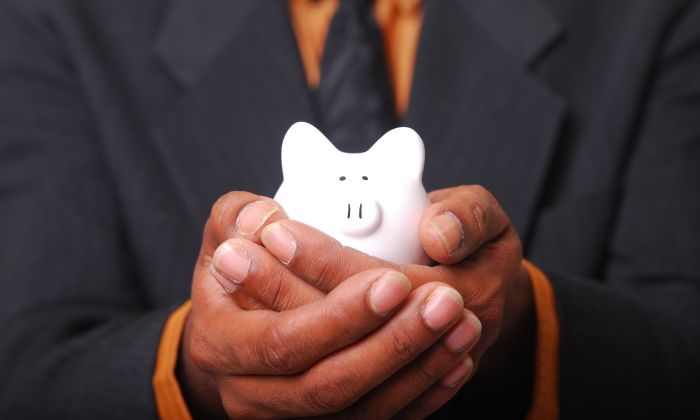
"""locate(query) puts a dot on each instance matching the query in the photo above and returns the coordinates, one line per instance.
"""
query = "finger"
(243, 267)
(481, 288)
(314, 256)
(460, 221)
(324, 263)
(441, 194)
(441, 393)
(439, 373)
(239, 214)
(235, 341)
(341, 379)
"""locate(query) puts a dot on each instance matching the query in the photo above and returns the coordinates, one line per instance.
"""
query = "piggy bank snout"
(359, 217)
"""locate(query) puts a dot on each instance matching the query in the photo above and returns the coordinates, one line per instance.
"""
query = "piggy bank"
(371, 201)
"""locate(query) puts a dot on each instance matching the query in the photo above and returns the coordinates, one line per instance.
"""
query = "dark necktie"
(354, 93)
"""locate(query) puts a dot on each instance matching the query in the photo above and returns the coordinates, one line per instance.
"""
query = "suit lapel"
(243, 87)
(485, 118)
(193, 36)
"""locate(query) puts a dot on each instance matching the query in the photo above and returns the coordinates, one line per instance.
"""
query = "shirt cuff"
(169, 400)
(545, 396)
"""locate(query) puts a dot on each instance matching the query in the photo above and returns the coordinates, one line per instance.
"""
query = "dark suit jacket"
(122, 121)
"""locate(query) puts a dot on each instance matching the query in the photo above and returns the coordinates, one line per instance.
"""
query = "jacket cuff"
(545, 397)
(545, 401)
(169, 400)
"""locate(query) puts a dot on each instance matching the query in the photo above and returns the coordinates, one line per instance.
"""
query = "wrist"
(507, 368)
(515, 346)
(199, 388)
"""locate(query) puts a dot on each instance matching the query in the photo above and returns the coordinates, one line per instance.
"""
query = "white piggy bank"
(371, 201)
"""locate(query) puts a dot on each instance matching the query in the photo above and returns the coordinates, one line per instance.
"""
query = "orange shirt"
(400, 23)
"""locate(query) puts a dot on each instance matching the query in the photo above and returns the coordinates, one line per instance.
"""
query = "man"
(121, 124)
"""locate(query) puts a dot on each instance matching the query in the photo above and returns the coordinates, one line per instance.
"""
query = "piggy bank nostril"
(363, 218)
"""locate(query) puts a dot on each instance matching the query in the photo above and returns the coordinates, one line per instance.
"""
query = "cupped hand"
(464, 230)
(372, 346)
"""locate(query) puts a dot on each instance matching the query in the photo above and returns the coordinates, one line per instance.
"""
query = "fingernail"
(227, 284)
(280, 242)
(388, 292)
(464, 335)
(232, 264)
(449, 229)
(459, 373)
(443, 306)
(254, 215)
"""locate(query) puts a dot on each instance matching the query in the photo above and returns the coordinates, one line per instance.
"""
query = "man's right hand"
(371, 347)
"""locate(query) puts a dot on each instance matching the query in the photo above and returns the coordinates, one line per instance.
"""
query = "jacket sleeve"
(630, 340)
(78, 334)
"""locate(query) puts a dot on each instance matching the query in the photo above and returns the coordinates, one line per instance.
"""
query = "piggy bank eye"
(365, 178)
(342, 178)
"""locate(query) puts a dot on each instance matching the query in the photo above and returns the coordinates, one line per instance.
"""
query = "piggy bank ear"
(304, 147)
(400, 151)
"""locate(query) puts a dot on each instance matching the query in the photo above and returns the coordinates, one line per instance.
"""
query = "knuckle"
(402, 345)
(329, 265)
(330, 394)
(236, 408)
(327, 269)
(461, 190)
(490, 207)
(204, 260)
(425, 374)
(200, 353)
(480, 190)
(480, 218)
(241, 403)
(277, 354)
(275, 292)
(220, 215)
(223, 203)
